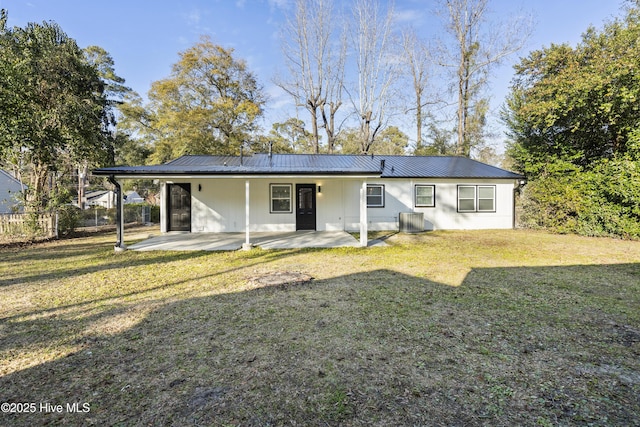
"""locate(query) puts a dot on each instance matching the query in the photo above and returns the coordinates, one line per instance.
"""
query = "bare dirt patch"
(279, 278)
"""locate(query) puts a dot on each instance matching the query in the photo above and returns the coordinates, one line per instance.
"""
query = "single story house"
(107, 198)
(288, 192)
(132, 196)
(102, 198)
(10, 192)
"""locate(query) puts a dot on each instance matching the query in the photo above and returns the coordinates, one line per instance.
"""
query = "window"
(375, 196)
(425, 196)
(281, 198)
(486, 198)
(466, 198)
(476, 198)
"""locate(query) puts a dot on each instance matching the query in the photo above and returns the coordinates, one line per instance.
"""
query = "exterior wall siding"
(9, 193)
(218, 205)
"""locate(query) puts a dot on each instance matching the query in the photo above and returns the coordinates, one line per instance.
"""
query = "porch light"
(199, 187)
(319, 189)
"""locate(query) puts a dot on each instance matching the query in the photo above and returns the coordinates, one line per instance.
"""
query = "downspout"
(119, 247)
(517, 190)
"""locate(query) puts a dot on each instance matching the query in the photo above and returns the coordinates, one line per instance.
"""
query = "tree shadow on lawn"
(39, 319)
(510, 346)
(107, 260)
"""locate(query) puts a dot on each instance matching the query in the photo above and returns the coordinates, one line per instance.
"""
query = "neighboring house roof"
(96, 194)
(7, 176)
(132, 196)
(319, 164)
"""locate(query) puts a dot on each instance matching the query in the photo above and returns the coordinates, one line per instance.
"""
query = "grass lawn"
(498, 328)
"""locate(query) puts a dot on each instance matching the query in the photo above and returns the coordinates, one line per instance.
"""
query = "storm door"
(179, 208)
(305, 206)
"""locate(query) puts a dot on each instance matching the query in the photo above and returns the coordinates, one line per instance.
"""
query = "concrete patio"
(182, 241)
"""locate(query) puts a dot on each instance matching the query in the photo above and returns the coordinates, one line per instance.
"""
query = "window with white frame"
(281, 198)
(425, 196)
(466, 198)
(486, 198)
(476, 198)
(375, 196)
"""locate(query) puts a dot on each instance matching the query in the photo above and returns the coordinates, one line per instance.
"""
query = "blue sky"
(145, 36)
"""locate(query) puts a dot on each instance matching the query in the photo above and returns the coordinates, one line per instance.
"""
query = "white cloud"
(408, 16)
(279, 4)
(193, 17)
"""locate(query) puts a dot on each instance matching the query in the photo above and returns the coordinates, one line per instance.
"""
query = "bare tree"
(479, 45)
(371, 40)
(417, 63)
(334, 84)
(314, 55)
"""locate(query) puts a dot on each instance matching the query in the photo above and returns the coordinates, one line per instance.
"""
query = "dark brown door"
(305, 206)
(179, 208)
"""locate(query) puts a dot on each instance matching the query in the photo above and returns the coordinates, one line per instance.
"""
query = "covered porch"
(245, 208)
(184, 241)
(261, 193)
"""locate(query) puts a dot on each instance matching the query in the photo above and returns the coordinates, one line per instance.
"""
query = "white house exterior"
(10, 189)
(106, 198)
(102, 198)
(288, 192)
(219, 204)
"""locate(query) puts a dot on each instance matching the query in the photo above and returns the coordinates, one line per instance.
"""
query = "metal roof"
(441, 167)
(9, 177)
(318, 164)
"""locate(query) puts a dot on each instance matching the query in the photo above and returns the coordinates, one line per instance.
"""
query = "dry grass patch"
(446, 328)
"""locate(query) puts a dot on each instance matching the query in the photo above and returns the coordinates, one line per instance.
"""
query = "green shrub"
(601, 201)
(68, 219)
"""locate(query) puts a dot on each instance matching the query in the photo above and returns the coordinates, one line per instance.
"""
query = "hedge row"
(601, 201)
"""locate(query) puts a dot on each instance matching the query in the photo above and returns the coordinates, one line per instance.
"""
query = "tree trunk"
(313, 110)
(418, 120)
(35, 201)
(82, 181)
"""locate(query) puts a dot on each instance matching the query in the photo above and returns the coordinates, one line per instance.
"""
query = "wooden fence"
(21, 225)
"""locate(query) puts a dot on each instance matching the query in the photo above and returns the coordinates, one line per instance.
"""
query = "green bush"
(601, 201)
(68, 219)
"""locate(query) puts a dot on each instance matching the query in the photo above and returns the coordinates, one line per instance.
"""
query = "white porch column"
(364, 238)
(247, 219)
(164, 201)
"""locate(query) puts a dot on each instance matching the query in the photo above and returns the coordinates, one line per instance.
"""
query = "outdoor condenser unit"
(411, 222)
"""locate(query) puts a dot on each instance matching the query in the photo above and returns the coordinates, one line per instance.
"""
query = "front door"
(305, 206)
(179, 208)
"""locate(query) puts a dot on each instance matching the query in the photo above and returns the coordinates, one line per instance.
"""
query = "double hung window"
(281, 198)
(476, 198)
(425, 196)
(375, 196)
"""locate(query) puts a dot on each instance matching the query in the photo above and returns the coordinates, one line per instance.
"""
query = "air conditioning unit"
(411, 222)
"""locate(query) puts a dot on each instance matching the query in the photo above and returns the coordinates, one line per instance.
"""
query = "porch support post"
(364, 238)
(247, 243)
(164, 210)
(119, 246)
